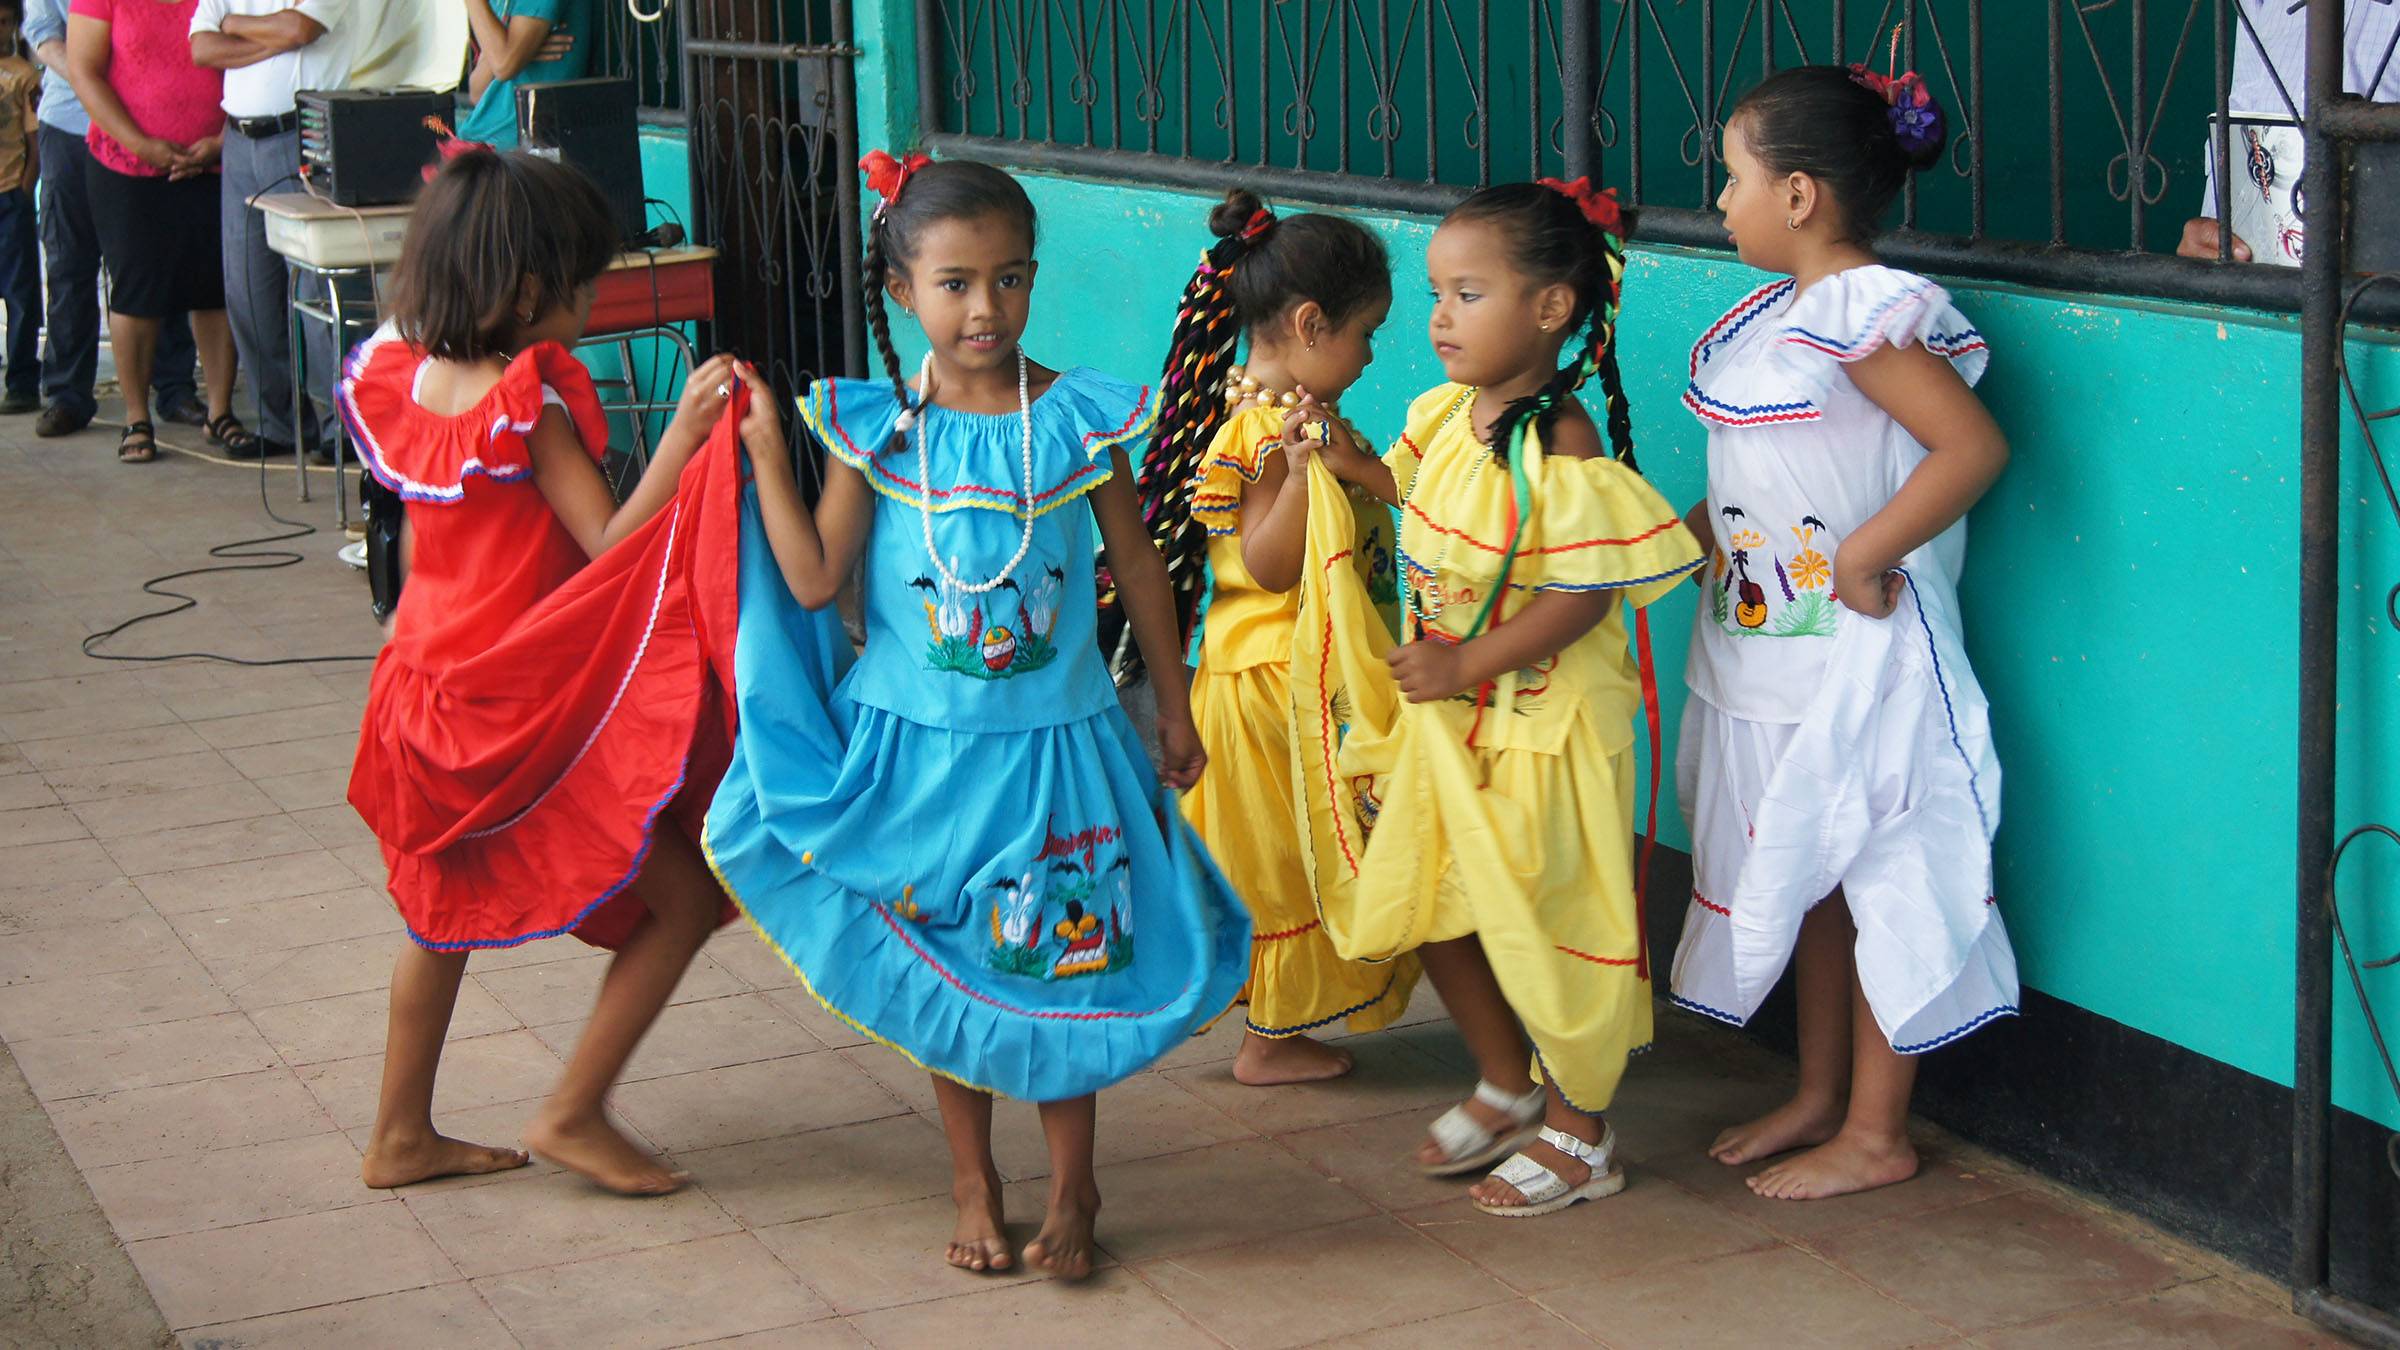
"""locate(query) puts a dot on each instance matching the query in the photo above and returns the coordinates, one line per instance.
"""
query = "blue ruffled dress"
(959, 842)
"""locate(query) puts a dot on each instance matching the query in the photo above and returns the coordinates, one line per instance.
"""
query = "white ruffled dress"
(1821, 748)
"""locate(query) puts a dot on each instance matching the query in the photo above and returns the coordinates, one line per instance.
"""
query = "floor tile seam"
(1179, 1253)
(399, 1193)
(2089, 1305)
(1135, 1273)
(356, 1201)
(456, 1275)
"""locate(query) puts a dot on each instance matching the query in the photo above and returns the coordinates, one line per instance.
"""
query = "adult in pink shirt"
(156, 130)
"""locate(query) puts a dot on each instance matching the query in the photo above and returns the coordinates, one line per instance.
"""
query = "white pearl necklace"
(912, 421)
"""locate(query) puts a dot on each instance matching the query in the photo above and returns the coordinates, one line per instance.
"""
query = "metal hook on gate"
(2358, 984)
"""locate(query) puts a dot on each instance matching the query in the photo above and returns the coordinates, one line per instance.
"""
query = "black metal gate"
(769, 88)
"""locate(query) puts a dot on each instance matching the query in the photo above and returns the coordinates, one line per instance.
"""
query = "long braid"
(874, 276)
(1598, 356)
(1612, 380)
(1192, 392)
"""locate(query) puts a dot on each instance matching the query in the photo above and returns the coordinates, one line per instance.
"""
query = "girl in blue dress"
(959, 843)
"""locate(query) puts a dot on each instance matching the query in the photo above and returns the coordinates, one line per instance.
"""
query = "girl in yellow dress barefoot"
(1470, 789)
(1308, 293)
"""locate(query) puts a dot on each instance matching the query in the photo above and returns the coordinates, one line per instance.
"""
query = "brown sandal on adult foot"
(239, 442)
(138, 444)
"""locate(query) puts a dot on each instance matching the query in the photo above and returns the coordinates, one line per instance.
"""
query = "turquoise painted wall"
(2131, 591)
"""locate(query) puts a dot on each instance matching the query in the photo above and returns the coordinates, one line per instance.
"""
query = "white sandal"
(1544, 1191)
(1469, 1145)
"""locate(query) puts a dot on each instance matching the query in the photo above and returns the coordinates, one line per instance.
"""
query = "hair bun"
(1233, 215)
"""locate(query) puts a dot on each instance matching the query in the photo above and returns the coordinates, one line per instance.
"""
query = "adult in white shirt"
(2270, 79)
(270, 50)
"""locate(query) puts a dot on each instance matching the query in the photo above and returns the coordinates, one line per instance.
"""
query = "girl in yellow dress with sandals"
(1307, 293)
(1470, 788)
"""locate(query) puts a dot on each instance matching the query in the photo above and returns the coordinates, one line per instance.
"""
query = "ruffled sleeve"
(549, 376)
(1094, 414)
(1426, 415)
(427, 457)
(1236, 457)
(852, 419)
(1850, 315)
(1599, 526)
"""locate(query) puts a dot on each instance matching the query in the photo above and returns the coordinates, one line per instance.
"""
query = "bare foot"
(1064, 1246)
(1795, 1124)
(1430, 1154)
(592, 1149)
(981, 1240)
(1294, 1059)
(404, 1162)
(1847, 1163)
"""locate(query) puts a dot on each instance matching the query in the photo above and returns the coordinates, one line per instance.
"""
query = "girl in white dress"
(1836, 764)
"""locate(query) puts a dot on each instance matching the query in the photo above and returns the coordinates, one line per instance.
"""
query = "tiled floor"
(193, 949)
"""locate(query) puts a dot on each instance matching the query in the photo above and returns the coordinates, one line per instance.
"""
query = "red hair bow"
(887, 175)
(1599, 207)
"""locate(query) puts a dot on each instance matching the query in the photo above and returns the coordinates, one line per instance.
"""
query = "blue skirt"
(1025, 912)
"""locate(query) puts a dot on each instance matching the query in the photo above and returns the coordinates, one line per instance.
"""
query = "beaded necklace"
(925, 480)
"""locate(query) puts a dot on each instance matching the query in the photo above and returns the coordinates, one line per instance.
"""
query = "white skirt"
(1888, 790)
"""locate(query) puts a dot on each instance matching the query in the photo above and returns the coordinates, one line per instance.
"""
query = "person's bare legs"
(213, 335)
(134, 344)
(1064, 1246)
(981, 1240)
(1872, 1147)
(572, 1127)
(1822, 977)
(1462, 975)
(1272, 1061)
(405, 1147)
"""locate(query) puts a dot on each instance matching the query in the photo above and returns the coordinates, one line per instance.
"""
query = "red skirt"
(515, 789)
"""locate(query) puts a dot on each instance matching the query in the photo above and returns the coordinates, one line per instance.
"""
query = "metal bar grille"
(1411, 103)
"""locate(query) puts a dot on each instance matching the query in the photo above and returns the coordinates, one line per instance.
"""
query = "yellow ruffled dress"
(1246, 807)
(1509, 813)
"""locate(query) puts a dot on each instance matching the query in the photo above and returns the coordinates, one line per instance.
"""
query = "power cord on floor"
(241, 555)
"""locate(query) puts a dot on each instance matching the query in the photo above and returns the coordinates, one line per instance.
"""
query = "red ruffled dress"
(534, 712)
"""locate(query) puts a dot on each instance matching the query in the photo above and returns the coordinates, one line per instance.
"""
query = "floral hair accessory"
(1916, 119)
(887, 175)
(1599, 207)
(447, 143)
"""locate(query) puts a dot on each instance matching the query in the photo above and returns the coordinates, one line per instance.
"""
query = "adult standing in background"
(2270, 68)
(20, 241)
(270, 50)
(513, 47)
(71, 259)
(156, 134)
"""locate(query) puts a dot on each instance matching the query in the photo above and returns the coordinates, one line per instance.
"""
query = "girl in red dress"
(547, 692)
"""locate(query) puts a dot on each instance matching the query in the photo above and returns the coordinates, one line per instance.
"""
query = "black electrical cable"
(235, 561)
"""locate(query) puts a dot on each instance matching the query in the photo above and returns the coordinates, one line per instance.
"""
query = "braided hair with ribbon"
(913, 192)
(1858, 133)
(1259, 269)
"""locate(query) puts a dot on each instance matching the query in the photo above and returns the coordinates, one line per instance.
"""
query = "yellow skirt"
(1531, 852)
(1244, 808)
